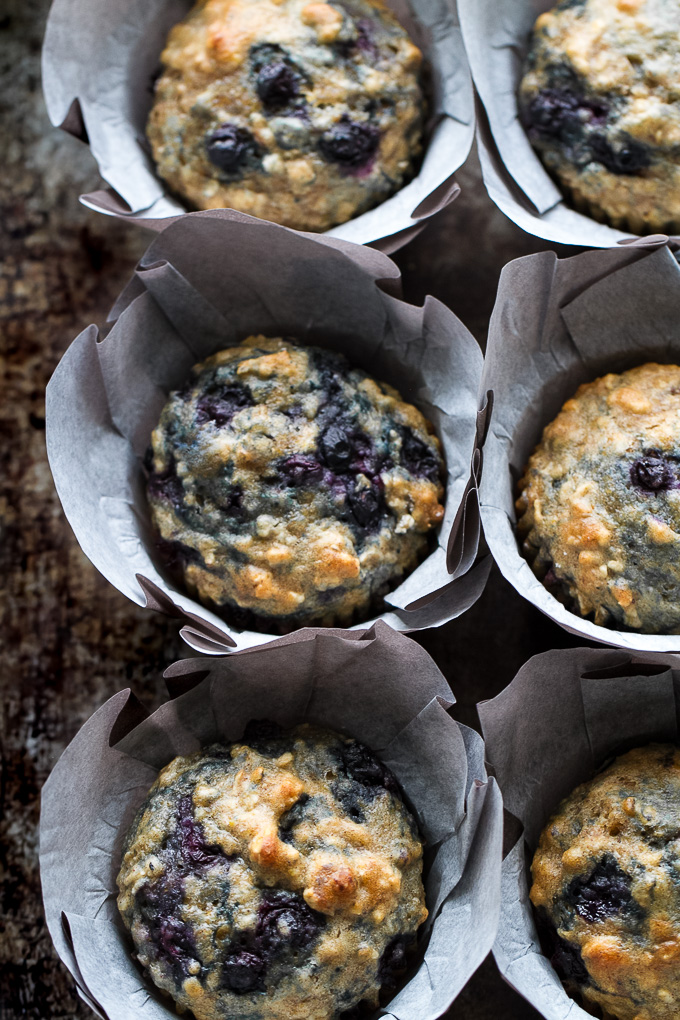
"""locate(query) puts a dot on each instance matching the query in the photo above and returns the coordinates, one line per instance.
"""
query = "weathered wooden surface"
(69, 640)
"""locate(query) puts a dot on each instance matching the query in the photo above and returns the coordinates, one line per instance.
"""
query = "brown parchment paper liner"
(207, 282)
(100, 58)
(377, 686)
(496, 35)
(557, 324)
(565, 713)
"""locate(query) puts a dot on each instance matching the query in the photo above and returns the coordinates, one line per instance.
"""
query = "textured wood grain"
(69, 640)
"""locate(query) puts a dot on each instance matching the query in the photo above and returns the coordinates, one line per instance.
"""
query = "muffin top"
(599, 508)
(606, 879)
(304, 113)
(278, 878)
(288, 488)
(600, 98)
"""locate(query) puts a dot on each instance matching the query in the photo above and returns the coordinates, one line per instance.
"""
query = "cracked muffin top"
(600, 99)
(599, 510)
(277, 878)
(304, 113)
(288, 488)
(606, 884)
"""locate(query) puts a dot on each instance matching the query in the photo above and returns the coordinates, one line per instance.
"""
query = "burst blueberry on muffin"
(606, 884)
(290, 489)
(600, 99)
(304, 113)
(274, 879)
(599, 509)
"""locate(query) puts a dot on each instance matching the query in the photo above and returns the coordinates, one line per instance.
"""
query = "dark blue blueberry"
(243, 972)
(604, 893)
(418, 457)
(565, 956)
(231, 501)
(301, 470)
(159, 904)
(166, 485)
(176, 555)
(568, 962)
(284, 923)
(336, 447)
(654, 473)
(394, 960)
(365, 768)
(289, 819)
(364, 41)
(367, 506)
(348, 798)
(265, 737)
(231, 148)
(284, 919)
(631, 158)
(277, 79)
(219, 404)
(562, 114)
(350, 143)
(192, 846)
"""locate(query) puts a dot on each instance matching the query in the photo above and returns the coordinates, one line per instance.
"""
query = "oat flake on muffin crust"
(599, 510)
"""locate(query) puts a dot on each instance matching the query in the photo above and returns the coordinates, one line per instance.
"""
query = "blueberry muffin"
(599, 510)
(275, 879)
(606, 884)
(600, 99)
(289, 489)
(298, 111)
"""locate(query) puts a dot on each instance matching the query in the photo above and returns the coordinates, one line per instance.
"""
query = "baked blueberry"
(221, 403)
(277, 81)
(351, 144)
(232, 919)
(626, 157)
(230, 148)
(603, 893)
(655, 473)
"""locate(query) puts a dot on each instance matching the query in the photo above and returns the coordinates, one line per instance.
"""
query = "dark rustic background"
(70, 641)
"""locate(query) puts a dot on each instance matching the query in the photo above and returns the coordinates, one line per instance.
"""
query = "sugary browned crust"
(325, 98)
(289, 486)
(274, 879)
(606, 876)
(599, 510)
(600, 99)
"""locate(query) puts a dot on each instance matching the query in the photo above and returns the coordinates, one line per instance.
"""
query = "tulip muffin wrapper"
(377, 686)
(207, 282)
(497, 35)
(104, 94)
(564, 715)
(557, 324)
